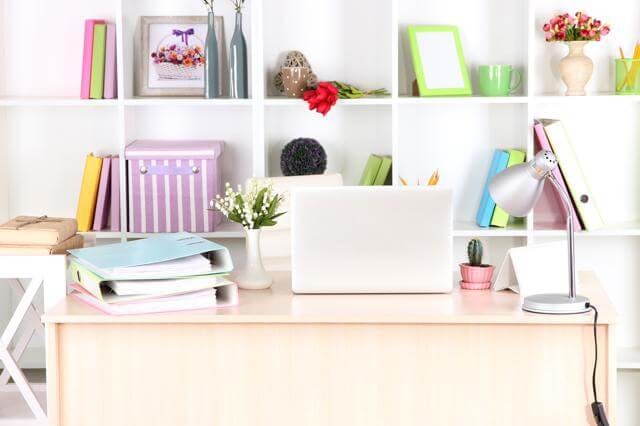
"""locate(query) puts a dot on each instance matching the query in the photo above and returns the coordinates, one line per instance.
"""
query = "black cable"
(597, 407)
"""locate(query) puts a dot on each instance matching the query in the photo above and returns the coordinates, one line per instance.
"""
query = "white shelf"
(629, 358)
(627, 229)
(225, 230)
(184, 101)
(368, 101)
(607, 97)
(476, 99)
(470, 229)
(55, 102)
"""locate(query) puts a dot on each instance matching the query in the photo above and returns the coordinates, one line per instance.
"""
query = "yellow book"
(88, 193)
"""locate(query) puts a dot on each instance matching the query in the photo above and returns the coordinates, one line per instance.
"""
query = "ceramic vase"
(211, 74)
(238, 62)
(294, 80)
(576, 68)
(476, 277)
(253, 276)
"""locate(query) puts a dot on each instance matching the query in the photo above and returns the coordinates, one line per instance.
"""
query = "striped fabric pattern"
(171, 197)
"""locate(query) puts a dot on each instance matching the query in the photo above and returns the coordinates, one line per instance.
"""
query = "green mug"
(495, 80)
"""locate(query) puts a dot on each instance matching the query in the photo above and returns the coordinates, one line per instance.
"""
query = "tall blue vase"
(238, 62)
(211, 74)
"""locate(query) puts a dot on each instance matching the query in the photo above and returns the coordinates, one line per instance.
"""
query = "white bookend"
(573, 175)
(541, 268)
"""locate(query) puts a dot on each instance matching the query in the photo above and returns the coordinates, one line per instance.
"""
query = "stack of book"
(99, 78)
(31, 235)
(169, 272)
(377, 171)
(488, 213)
(550, 135)
(99, 200)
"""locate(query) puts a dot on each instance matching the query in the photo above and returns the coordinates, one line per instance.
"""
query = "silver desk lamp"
(517, 190)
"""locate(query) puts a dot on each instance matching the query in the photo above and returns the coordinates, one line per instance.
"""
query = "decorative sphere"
(303, 156)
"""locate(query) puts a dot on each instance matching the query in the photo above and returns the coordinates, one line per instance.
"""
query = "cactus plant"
(474, 252)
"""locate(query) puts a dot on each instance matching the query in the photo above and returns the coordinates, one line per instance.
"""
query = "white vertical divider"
(395, 130)
(530, 74)
(258, 89)
(122, 122)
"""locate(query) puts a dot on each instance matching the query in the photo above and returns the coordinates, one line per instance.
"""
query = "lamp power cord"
(597, 407)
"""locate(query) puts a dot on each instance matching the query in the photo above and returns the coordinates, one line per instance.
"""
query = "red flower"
(323, 98)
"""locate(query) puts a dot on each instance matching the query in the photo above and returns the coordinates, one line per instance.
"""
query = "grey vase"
(238, 62)
(211, 75)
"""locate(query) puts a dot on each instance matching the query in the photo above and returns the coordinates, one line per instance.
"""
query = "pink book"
(100, 216)
(219, 297)
(110, 76)
(114, 208)
(87, 56)
(550, 209)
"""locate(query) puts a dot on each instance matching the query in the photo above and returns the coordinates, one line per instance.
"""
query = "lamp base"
(555, 304)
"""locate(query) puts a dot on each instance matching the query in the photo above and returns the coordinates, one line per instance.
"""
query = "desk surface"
(280, 305)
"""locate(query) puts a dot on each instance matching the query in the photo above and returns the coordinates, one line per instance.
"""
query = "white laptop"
(371, 239)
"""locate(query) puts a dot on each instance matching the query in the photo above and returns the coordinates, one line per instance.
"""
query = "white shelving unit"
(46, 131)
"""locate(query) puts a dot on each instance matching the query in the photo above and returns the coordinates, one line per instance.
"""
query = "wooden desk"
(468, 358)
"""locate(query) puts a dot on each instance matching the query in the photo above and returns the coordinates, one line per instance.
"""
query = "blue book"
(158, 257)
(487, 205)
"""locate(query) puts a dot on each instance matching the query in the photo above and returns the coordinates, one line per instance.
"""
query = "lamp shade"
(517, 188)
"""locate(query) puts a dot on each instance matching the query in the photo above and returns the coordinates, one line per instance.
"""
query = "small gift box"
(41, 231)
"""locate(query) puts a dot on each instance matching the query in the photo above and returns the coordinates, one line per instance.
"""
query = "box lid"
(179, 149)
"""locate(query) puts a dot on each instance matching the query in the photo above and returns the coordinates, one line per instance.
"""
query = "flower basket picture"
(180, 56)
(170, 55)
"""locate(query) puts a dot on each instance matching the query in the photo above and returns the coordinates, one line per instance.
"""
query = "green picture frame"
(438, 60)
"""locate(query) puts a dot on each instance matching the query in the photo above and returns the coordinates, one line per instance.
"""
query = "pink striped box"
(170, 184)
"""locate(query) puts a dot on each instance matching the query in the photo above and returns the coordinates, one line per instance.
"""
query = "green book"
(384, 172)
(500, 218)
(370, 170)
(97, 61)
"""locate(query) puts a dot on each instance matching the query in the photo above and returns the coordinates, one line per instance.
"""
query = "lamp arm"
(570, 234)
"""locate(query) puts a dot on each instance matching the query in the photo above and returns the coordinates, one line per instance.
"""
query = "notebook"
(101, 216)
(88, 193)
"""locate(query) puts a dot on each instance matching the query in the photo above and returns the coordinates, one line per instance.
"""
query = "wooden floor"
(13, 409)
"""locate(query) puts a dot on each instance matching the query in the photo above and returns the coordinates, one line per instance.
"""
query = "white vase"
(253, 276)
(576, 68)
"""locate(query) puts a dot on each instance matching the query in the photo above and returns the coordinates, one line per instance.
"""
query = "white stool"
(46, 271)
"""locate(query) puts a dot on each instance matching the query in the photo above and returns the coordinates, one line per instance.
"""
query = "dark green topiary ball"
(303, 156)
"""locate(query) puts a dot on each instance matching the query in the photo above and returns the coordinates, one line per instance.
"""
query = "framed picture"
(438, 61)
(170, 55)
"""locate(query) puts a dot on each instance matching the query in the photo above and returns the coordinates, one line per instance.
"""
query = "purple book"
(115, 194)
(110, 80)
(100, 217)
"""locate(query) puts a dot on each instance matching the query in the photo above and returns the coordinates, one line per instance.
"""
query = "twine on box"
(22, 223)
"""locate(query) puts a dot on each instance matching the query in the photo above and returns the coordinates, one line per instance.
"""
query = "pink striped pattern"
(170, 196)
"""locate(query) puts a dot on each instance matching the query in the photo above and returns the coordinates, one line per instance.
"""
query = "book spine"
(110, 83)
(370, 170)
(576, 182)
(384, 173)
(115, 194)
(100, 215)
(487, 205)
(88, 193)
(544, 145)
(87, 57)
(97, 62)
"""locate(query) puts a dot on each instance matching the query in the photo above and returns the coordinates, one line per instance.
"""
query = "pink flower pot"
(476, 277)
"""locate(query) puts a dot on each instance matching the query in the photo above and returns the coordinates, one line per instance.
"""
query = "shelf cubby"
(348, 135)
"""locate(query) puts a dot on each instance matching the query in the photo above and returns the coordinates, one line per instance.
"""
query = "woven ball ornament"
(303, 156)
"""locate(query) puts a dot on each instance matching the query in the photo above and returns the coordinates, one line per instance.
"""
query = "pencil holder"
(627, 76)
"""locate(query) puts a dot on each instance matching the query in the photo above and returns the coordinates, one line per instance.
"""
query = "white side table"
(46, 271)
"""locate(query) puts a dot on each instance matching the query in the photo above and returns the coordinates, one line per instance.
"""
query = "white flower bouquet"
(254, 208)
